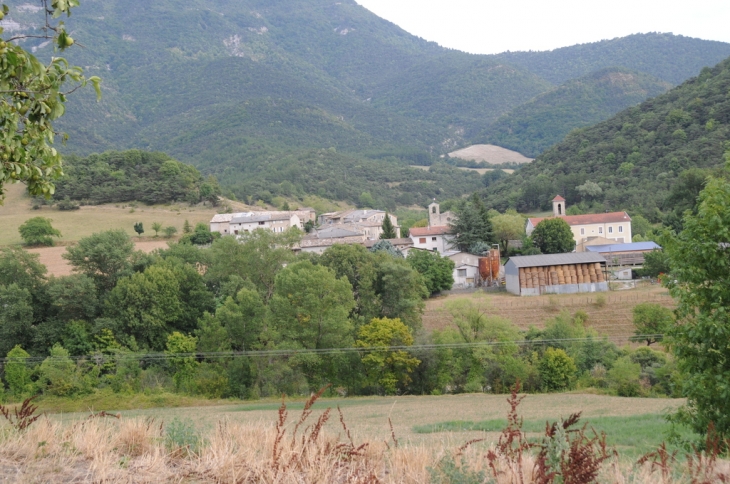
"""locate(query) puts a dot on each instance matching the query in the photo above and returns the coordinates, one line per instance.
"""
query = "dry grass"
(613, 319)
(368, 416)
(482, 171)
(491, 154)
(277, 449)
(76, 224)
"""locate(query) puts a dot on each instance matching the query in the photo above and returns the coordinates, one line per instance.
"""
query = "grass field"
(430, 420)
(76, 224)
(612, 317)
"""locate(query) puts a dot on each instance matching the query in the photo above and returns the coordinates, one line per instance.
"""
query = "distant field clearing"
(494, 155)
(481, 171)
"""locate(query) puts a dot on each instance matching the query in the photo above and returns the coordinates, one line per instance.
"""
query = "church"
(613, 226)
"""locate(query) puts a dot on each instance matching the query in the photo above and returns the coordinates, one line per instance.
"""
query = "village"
(603, 252)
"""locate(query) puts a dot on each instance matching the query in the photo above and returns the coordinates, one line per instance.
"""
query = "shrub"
(38, 231)
(181, 436)
(17, 373)
(624, 378)
(59, 375)
(557, 370)
(211, 381)
(68, 204)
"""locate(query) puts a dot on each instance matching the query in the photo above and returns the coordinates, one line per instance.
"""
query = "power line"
(101, 357)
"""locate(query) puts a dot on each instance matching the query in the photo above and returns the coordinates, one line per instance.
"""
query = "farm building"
(624, 254)
(533, 275)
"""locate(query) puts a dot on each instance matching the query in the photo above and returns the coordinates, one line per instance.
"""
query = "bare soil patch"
(495, 155)
(51, 257)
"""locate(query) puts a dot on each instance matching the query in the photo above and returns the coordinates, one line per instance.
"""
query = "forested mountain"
(649, 158)
(545, 120)
(671, 58)
(232, 86)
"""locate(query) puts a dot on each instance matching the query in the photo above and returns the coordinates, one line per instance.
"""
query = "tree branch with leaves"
(32, 97)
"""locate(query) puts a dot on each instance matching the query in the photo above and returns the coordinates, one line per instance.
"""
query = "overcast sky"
(488, 27)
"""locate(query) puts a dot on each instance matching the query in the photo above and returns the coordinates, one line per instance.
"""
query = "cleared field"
(482, 171)
(51, 257)
(253, 442)
(367, 417)
(612, 318)
(495, 155)
(77, 224)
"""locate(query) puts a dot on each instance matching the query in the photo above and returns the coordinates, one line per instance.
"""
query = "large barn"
(533, 275)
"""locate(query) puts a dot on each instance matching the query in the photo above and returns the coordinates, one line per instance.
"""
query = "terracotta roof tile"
(436, 230)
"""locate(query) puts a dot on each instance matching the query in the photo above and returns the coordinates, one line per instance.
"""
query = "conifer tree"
(388, 228)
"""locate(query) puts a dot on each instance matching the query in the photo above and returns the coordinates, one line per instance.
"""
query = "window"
(582, 231)
(610, 230)
(433, 239)
(620, 228)
(600, 230)
(262, 223)
(433, 210)
(461, 272)
(422, 240)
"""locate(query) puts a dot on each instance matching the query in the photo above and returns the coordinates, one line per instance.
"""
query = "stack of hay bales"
(539, 277)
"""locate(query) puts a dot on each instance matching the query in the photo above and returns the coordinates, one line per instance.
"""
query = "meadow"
(386, 440)
(89, 219)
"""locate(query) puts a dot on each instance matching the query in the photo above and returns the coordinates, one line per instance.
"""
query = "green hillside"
(235, 87)
(645, 158)
(540, 123)
(671, 58)
(458, 89)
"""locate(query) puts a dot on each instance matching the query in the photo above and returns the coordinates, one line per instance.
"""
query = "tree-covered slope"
(637, 157)
(540, 123)
(461, 90)
(671, 58)
(234, 86)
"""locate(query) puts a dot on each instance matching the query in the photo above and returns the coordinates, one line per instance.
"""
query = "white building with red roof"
(614, 226)
(432, 238)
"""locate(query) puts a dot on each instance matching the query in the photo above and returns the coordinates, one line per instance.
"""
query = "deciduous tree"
(508, 226)
(437, 271)
(310, 307)
(38, 231)
(652, 321)
(553, 236)
(33, 96)
(386, 367)
(104, 257)
(700, 263)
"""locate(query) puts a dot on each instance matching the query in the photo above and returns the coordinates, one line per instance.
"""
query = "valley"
(275, 209)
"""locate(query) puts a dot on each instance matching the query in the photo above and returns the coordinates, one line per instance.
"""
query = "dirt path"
(58, 266)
